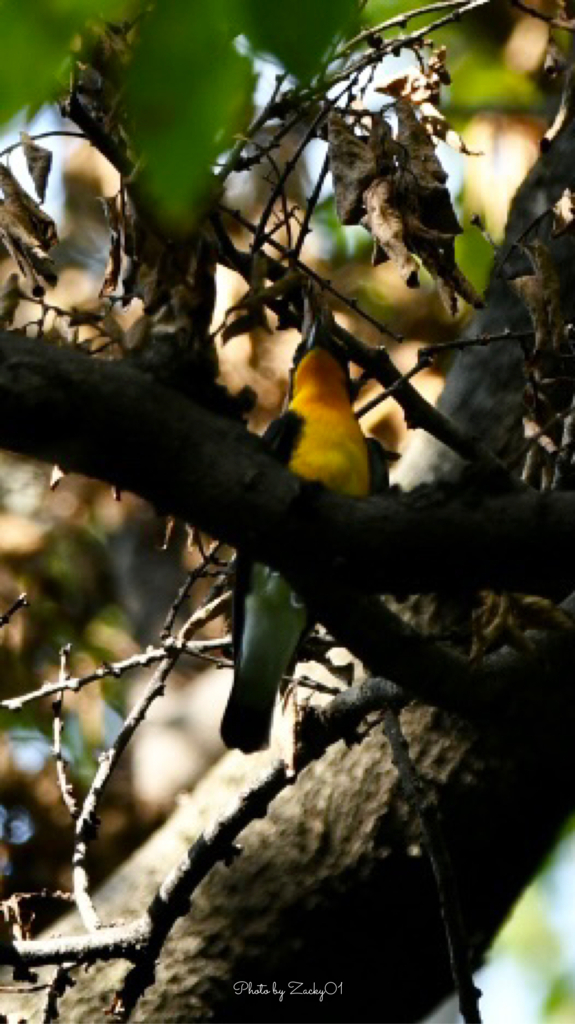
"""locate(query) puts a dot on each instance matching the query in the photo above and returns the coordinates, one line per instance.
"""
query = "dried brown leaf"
(385, 223)
(10, 296)
(39, 163)
(541, 613)
(23, 206)
(383, 145)
(27, 233)
(419, 84)
(555, 61)
(243, 324)
(254, 301)
(37, 268)
(564, 214)
(437, 253)
(541, 294)
(440, 130)
(412, 136)
(565, 113)
(353, 165)
(412, 84)
(56, 475)
(114, 330)
(408, 209)
(114, 267)
(504, 618)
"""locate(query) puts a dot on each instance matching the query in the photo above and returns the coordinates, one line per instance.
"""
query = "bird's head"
(319, 360)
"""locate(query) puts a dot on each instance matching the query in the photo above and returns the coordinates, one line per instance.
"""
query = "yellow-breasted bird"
(319, 438)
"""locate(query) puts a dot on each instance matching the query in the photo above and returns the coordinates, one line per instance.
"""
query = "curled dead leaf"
(564, 114)
(27, 233)
(21, 204)
(37, 268)
(555, 62)
(386, 225)
(423, 161)
(114, 217)
(417, 83)
(10, 296)
(39, 163)
(541, 294)
(401, 185)
(564, 213)
(56, 475)
(114, 330)
(254, 301)
(439, 129)
(353, 166)
(504, 619)
(412, 84)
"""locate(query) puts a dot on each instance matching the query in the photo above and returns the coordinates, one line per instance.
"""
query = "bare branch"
(445, 878)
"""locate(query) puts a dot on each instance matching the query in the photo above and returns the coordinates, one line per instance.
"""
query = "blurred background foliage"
(95, 566)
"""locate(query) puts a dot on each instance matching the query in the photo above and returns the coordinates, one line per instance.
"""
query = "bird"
(318, 438)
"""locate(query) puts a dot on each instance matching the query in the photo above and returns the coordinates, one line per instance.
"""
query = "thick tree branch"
(110, 421)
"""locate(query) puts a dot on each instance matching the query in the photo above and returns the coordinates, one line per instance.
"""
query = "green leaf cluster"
(36, 41)
(190, 85)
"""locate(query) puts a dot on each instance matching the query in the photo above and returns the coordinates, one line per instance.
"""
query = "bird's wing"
(379, 459)
(281, 438)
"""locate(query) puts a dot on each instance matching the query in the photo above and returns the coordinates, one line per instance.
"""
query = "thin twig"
(568, 24)
(322, 282)
(501, 260)
(233, 158)
(311, 205)
(20, 602)
(118, 668)
(44, 135)
(481, 340)
(143, 938)
(401, 21)
(423, 363)
(61, 980)
(564, 460)
(440, 859)
(517, 459)
(426, 357)
(259, 234)
(184, 591)
(88, 822)
(65, 786)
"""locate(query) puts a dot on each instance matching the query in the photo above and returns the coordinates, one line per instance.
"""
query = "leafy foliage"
(36, 40)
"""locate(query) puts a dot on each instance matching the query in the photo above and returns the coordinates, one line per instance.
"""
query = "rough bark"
(110, 421)
(332, 884)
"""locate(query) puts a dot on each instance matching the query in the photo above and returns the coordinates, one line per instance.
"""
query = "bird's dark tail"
(273, 621)
(246, 725)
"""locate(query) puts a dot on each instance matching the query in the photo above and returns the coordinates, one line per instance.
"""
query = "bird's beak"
(319, 337)
(313, 337)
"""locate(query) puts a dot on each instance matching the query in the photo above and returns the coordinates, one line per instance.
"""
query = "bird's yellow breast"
(330, 451)
(331, 447)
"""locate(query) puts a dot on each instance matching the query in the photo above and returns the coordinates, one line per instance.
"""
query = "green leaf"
(297, 32)
(36, 40)
(479, 77)
(378, 11)
(474, 256)
(187, 90)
